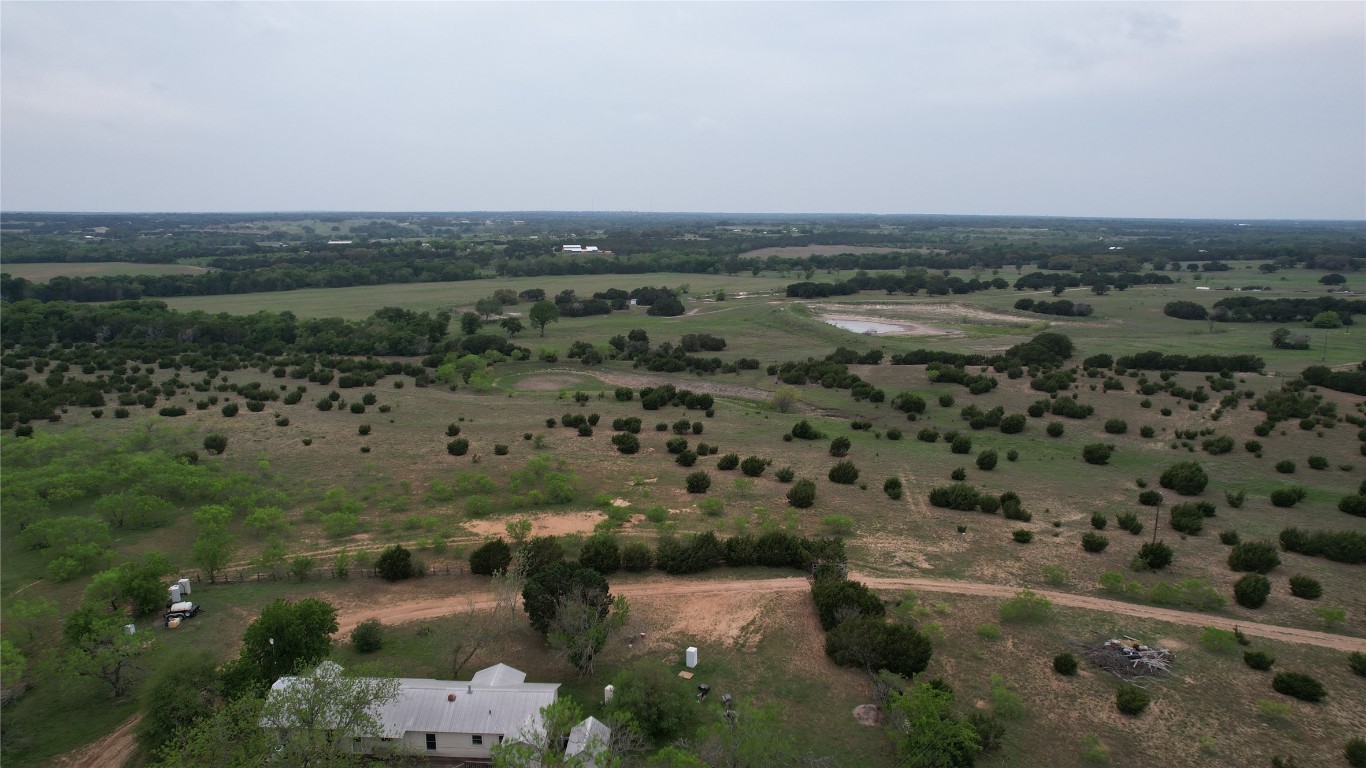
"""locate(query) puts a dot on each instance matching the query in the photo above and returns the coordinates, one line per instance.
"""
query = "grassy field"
(412, 491)
(43, 272)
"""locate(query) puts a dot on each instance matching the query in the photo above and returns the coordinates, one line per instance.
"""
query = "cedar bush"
(1097, 453)
(803, 494)
(1153, 556)
(1065, 664)
(753, 466)
(1131, 700)
(1252, 590)
(844, 473)
(1094, 542)
(490, 558)
(368, 636)
(698, 482)
(1256, 556)
(839, 447)
(1022, 536)
(1258, 660)
(785, 474)
(1186, 478)
(1298, 685)
(1099, 521)
(1305, 587)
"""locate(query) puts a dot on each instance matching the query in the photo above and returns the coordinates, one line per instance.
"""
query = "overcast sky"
(1214, 110)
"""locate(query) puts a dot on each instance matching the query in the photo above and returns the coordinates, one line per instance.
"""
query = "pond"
(862, 326)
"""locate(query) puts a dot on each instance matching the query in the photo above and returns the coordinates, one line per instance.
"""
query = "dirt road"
(436, 607)
(112, 751)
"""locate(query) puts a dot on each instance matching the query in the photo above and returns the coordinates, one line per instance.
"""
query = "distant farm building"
(579, 249)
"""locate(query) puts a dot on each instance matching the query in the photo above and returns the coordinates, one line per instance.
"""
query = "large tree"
(584, 621)
(319, 714)
(543, 313)
(214, 547)
(286, 637)
(927, 731)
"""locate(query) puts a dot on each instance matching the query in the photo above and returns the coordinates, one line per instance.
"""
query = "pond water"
(862, 326)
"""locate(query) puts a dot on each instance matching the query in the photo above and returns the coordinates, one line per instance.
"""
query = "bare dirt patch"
(868, 714)
(112, 751)
(557, 524)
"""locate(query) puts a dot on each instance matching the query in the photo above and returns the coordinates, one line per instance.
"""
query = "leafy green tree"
(1328, 319)
(512, 325)
(488, 306)
(138, 583)
(395, 563)
(214, 547)
(470, 323)
(181, 691)
(871, 644)
(13, 665)
(545, 586)
(543, 746)
(99, 648)
(585, 618)
(927, 732)
(490, 557)
(318, 716)
(286, 637)
(543, 313)
(658, 703)
(231, 737)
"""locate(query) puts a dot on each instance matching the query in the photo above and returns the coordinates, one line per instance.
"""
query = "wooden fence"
(246, 575)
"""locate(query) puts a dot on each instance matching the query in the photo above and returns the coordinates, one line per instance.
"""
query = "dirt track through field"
(111, 751)
(431, 609)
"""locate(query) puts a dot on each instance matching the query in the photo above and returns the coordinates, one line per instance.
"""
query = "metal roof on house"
(592, 734)
(497, 700)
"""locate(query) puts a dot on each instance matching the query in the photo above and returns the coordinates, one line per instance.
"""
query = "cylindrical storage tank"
(184, 585)
(175, 593)
(608, 693)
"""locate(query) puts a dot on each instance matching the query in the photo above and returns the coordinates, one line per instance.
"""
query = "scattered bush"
(698, 482)
(394, 564)
(1186, 478)
(1131, 700)
(959, 496)
(844, 473)
(1298, 685)
(961, 444)
(1256, 556)
(215, 443)
(1153, 556)
(892, 487)
(1026, 607)
(1235, 499)
(1305, 587)
(839, 447)
(1353, 505)
(1129, 521)
(1097, 453)
(1022, 536)
(368, 636)
(802, 495)
(1288, 497)
(1357, 661)
(1099, 521)
(1252, 590)
(1065, 664)
(1229, 538)
(986, 460)
(490, 557)
(1355, 752)
(753, 466)
(686, 459)
(1149, 498)
(1259, 660)
(1285, 467)
(1116, 426)
(1094, 542)
(1054, 429)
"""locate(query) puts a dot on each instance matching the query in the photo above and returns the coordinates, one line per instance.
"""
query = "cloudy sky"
(1212, 110)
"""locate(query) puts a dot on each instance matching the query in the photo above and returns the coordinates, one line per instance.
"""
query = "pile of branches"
(1128, 658)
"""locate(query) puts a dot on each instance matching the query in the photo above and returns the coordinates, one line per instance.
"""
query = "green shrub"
(490, 557)
(961, 444)
(1131, 700)
(636, 557)
(1094, 542)
(1186, 518)
(841, 525)
(1055, 429)
(1129, 521)
(1357, 661)
(1022, 536)
(892, 487)
(839, 447)
(959, 496)
(1153, 556)
(1099, 521)
(958, 475)
(1353, 505)
(927, 435)
(1026, 607)
(1256, 556)
(1299, 686)
(368, 636)
(989, 631)
(1065, 664)
(1229, 538)
(1288, 497)
(698, 482)
(458, 447)
(753, 466)
(1285, 467)
(395, 563)
(803, 494)
(1116, 426)
(1149, 498)
(1355, 752)
(785, 474)
(1317, 462)
(986, 460)
(1252, 590)
(1305, 587)
(686, 459)
(214, 443)
(1258, 660)
(1186, 478)
(844, 473)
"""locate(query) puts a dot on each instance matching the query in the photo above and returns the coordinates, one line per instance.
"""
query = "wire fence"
(285, 573)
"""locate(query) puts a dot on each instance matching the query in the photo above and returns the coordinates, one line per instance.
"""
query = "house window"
(477, 740)
(431, 741)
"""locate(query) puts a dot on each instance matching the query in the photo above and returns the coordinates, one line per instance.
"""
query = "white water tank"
(608, 693)
(184, 586)
(175, 593)
(130, 628)
(690, 657)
